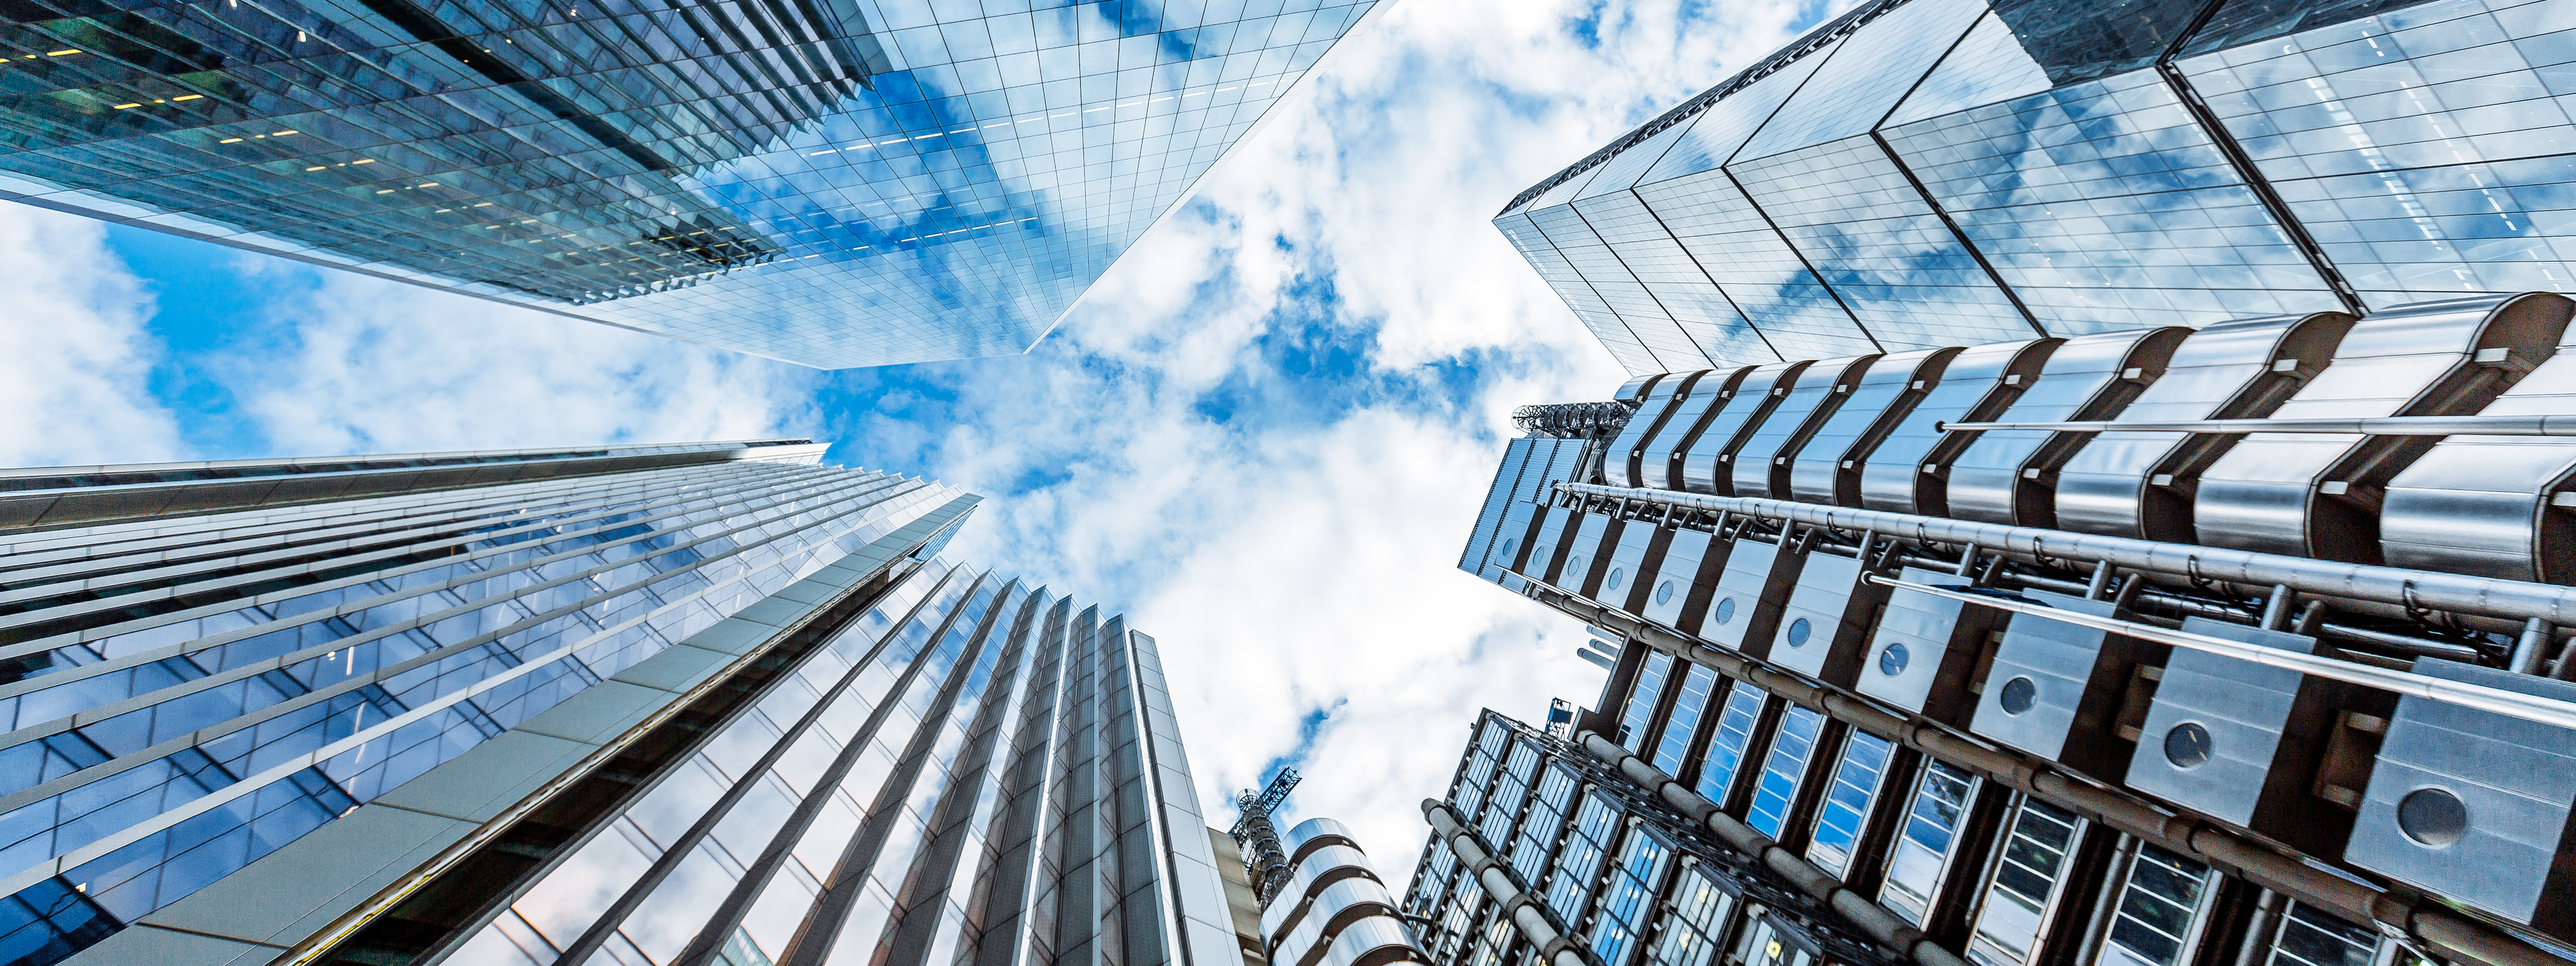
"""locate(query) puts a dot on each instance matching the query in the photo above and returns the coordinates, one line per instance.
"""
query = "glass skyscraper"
(1924, 173)
(637, 705)
(829, 182)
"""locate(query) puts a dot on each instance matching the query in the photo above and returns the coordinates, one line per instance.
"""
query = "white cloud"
(1292, 545)
(1289, 538)
(75, 378)
(360, 365)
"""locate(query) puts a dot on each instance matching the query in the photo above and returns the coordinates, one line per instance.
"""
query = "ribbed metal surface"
(732, 709)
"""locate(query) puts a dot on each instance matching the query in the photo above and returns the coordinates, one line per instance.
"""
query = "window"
(1683, 723)
(2159, 911)
(2026, 882)
(1570, 886)
(1765, 945)
(1694, 922)
(1846, 809)
(1509, 791)
(1496, 942)
(1628, 897)
(1922, 851)
(1456, 927)
(2313, 938)
(1433, 885)
(1642, 698)
(1538, 830)
(1726, 748)
(1786, 767)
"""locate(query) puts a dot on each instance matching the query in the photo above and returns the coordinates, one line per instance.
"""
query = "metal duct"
(2513, 600)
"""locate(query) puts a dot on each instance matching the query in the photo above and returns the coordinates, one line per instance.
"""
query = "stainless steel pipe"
(1524, 910)
(2514, 600)
(2383, 426)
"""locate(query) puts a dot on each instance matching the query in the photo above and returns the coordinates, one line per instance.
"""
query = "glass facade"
(1946, 172)
(1629, 881)
(829, 182)
(734, 705)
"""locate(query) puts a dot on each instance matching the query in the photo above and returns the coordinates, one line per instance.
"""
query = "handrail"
(2382, 426)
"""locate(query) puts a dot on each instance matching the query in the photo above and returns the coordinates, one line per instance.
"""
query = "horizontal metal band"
(2385, 426)
(2517, 600)
(2509, 703)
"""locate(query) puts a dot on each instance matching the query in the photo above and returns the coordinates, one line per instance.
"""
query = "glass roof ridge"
(1808, 43)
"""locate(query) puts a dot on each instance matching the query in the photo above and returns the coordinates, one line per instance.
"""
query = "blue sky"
(1263, 434)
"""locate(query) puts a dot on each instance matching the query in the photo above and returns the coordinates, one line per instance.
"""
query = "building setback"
(829, 182)
(692, 704)
(1926, 173)
(2237, 646)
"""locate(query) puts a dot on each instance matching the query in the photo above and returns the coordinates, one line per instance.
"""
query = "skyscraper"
(829, 182)
(2163, 647)
(682, 704)
(1926, 173)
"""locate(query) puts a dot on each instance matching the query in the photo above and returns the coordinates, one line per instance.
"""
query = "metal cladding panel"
(2058, 661)
(2242, 707)
(1583, 549)
(1492, 521)
(1925, 647)
(1627, 563)
(1548, 548)
(1908, 471)
(1745, 607)
(1658, 458)
(1708, 465)
(2417, 360)
(2006, 475)
(2482, 504)
(2139, 484)
(1824, 627)
(1510, 552)
(2514, 779)
(1828, 468)
(1652, 412)
(1674, 575)
(1761, 467)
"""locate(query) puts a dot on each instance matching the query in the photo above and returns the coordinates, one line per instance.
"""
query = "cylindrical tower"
(1329, 906)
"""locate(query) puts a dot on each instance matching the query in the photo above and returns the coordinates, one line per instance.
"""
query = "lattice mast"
(1265, 858)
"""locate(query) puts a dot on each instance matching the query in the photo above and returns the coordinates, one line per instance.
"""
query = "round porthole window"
(2433, 817)
(1798, 632)
(1725, 611)
(1538, 557)
(1507, 547)
(1891, 662)
(1573, 570)
(2018, 695)
(2187, 745)
(1617, 574)
(1664, 593)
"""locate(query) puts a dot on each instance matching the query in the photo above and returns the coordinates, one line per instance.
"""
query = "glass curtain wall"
(1955, 172)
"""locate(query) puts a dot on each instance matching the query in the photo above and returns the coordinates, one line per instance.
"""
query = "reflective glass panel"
(1846, 808)
(2425, 149)
(831, 183)
(1683, 724)
(1725, 752)
(2105, 207)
